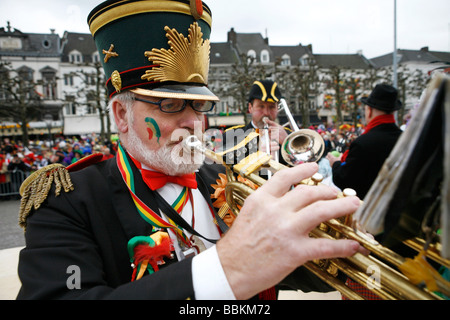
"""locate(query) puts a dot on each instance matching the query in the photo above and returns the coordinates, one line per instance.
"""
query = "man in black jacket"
(359, 167)
(141, 225)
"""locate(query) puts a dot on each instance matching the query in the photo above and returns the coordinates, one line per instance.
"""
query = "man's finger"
(304, 195)
(284, 179)
(321, 211)
(329, 249)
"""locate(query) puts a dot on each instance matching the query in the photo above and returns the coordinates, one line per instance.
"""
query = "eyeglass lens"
(175, 105)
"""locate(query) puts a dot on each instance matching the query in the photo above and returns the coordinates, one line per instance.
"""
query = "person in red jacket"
(358, 167)
(3, 168)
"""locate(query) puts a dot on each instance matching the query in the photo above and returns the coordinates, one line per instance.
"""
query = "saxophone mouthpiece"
(192, 143)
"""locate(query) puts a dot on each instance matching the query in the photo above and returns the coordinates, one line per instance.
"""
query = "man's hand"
(332, 159)
(270, 237)
(277, 132)
(277, 135)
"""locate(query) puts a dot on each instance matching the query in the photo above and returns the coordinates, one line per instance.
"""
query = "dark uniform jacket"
(87, 230)
(365, 158)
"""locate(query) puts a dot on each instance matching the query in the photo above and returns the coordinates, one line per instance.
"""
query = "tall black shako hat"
(156, 48)
(265, 90)
(383, 97)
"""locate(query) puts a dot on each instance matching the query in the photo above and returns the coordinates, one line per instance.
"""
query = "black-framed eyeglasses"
(170, 105)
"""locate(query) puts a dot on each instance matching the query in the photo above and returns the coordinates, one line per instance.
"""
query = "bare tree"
(334, 81)
(354, 89)
(410, 85)
(306, 83)
(243, 74)
(19, 100)
(92, 93)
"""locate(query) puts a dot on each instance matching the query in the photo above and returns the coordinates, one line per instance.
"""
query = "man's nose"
(266, 111)
(191, 119)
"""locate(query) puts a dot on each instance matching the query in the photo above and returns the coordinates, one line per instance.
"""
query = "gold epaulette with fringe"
(34, 190)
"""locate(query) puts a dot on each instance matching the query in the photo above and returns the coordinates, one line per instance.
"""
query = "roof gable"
(408, 56)
(80, 42)
(295, 53)
(30, 44)
(223, 53)
(347, 61)
(245, 42)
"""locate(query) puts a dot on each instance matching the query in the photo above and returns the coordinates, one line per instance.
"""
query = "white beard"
(167, 159)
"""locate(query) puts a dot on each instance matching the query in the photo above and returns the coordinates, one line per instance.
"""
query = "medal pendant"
(197, 243)
(186, 251)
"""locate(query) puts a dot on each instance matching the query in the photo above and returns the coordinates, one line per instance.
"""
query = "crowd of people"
(18, 161)
(14, 156)
(40, 153)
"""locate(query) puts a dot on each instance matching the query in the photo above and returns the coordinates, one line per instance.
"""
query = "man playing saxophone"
(141, 225)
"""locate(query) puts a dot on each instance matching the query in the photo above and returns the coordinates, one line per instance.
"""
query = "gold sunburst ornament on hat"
(187, 60)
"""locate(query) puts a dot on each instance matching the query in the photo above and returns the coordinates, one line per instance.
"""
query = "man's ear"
(370, 112)
(120, 113)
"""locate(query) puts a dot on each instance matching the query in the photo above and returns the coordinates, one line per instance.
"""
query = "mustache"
(178, 135)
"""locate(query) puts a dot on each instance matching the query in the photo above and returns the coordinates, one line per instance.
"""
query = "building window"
(75, 57)
(68, 80)
(4, 77)
(90, 109)
(265, 57)
(49, 83)
(90, 79)
(25, 73)
(90, 105)
(285, 60)
(251, 55)
(46, 44)
(95, 57)
(71, 108)
(304, 60)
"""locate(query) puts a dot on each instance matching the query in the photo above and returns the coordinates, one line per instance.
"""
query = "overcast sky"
(330, 26)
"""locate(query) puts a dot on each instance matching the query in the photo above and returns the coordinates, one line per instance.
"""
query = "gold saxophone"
(384, 272)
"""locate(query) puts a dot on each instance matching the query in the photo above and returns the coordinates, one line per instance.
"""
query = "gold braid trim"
(34, 190)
